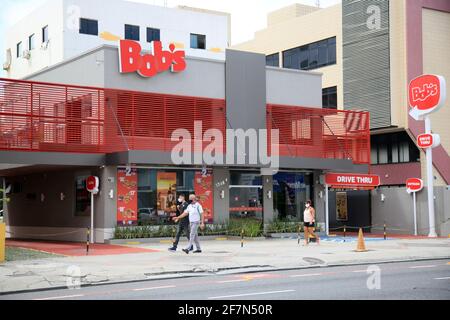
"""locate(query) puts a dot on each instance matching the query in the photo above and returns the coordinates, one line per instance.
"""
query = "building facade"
(368, 52)
(62, 29)
(81, 117)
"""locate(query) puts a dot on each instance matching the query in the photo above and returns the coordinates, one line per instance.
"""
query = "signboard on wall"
(203, 187)
(127, 196)
(414, 185)
(166, 185)
(341, 206)
(352, 180)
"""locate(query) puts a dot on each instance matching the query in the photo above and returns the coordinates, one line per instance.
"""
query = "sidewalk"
(220, 257)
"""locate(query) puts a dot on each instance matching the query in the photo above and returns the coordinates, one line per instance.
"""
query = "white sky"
(247, 16)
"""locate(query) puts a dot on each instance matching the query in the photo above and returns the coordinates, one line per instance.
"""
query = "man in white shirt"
(196, 219)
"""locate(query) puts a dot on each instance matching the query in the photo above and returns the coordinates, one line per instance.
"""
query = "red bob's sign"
(352, 180)
(427, 140)
(92, 184)
(414, 185)
(148, 65)
(427, 94)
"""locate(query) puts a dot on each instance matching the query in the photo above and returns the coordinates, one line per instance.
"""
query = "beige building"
(381, 45)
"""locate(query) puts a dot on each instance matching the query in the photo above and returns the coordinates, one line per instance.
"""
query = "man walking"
(196, 219)
(183, 226)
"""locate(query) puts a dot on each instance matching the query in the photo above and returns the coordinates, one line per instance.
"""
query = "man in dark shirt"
(183, 225)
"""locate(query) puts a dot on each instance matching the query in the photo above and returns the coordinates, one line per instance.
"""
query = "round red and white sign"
(92, 184)
(427, 94)
(428, 140)
(414, 185)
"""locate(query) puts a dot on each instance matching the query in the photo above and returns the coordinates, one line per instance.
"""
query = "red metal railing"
(53, 117)
(321, 133)
(38, 116)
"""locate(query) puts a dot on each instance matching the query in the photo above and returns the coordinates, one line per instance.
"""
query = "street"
(403, 280)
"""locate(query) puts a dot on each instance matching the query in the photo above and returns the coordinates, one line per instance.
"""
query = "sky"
(243, 26)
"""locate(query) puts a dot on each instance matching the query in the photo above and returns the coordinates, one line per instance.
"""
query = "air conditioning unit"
(26, 54)
(44, 45)
(7, 63)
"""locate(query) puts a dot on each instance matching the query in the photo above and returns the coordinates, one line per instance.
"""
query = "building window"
(153, 34)
(31, 45)
(329, 98)
(88, 26)
(311, 56)
(393, 148)
(198, 41)
(19, 49)
(132, 32)
(273, 60)
(45, 34)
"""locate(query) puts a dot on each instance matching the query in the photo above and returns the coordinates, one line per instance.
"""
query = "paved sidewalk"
(218, 257)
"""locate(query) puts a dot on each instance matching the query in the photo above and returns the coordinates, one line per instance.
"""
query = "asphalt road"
(405, 280)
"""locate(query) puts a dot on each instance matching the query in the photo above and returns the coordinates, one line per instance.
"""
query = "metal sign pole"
(92, 217)
(326, 211)
(430, 178)
(415, 213)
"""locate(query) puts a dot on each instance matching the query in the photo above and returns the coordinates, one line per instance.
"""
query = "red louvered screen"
(321, 133)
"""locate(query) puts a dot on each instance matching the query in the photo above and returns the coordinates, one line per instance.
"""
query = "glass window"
(291, 58)
(273, 60)
(198, 41)
(88, 26)
(323, 53)
(313, 56)
(290, 193)
(310, 56)
(304, 58)
(246, 196)
(132, 32)
(31, 44)
(158, 191)
(82, 197)
(19, 49)
(393, 148)
(45, 34)
(329, 98)
(153, 34)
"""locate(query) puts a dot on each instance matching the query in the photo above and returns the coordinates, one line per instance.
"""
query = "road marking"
(418, 267)
(238, 280)
(61, 297)
(445, 278)
(153, 288)
(360, 271)
(306, 275)
(251, 294)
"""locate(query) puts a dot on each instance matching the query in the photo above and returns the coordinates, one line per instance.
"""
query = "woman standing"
(309, 218)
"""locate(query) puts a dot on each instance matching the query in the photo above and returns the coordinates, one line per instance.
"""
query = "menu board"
(203, 187)
(166, 187)
(127, 197)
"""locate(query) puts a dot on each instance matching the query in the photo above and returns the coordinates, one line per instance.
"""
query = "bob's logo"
(148, 65)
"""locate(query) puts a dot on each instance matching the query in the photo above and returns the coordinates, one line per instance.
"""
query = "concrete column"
(319, 202)
(106, 206)
(221, 183)
(268, 203)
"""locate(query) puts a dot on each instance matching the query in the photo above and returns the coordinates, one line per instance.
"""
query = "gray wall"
(366, 59)
(294, 87)
(267, 203)
(397, 211)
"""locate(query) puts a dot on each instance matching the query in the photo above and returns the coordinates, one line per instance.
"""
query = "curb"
(240, 270)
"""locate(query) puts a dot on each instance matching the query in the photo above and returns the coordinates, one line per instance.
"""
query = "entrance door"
(246, 197)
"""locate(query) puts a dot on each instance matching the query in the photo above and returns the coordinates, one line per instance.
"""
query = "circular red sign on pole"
(414, 185)
(425, 140)
(92, 184)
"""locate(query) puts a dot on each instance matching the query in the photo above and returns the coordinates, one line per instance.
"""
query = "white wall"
(49, 14)
(62, 16)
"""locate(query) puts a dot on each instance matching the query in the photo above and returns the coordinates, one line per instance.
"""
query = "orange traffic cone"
(361, 245)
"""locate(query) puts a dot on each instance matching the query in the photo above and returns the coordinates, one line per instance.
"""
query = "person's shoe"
(173, 249)
(186, 251)
(192, 248)
(198, 251)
